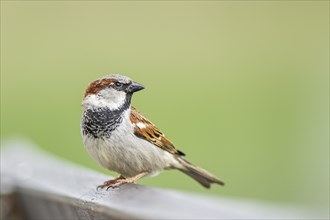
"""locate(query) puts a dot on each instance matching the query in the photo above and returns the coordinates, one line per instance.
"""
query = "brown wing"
(145, 129)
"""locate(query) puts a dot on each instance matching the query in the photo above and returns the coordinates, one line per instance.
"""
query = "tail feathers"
(200, 175)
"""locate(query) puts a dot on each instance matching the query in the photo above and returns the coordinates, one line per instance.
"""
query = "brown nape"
(97, 85)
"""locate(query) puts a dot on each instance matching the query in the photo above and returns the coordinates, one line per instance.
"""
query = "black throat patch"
(101, 122)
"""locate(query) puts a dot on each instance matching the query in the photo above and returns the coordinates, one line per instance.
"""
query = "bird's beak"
(134, 87)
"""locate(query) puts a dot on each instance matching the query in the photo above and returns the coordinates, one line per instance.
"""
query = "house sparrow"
(121, 139)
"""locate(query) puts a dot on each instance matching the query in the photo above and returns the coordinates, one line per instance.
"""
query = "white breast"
(127, 154)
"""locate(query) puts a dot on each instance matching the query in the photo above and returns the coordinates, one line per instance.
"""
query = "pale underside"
(128, 154)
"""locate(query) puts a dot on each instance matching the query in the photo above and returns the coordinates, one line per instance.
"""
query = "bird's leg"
(127, 180)
(110, 182)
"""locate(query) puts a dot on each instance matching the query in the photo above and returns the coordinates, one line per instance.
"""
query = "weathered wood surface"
(35, 185)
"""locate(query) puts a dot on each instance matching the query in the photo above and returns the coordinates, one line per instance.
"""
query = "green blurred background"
(240, 87)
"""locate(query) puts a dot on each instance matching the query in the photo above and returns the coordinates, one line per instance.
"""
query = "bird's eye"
(118, 84)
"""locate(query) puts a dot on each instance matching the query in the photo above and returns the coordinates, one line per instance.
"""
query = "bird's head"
(112, 91)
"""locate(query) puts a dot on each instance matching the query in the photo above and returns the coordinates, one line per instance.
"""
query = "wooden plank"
(50, 188)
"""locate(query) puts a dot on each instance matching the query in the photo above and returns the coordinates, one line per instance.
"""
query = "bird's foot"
(110, 182)
(118, 182)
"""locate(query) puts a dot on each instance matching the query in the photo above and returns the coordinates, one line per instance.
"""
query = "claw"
(109, 183)
(120, 181)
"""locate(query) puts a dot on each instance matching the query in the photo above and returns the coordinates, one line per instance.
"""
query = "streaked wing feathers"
(145, 129)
